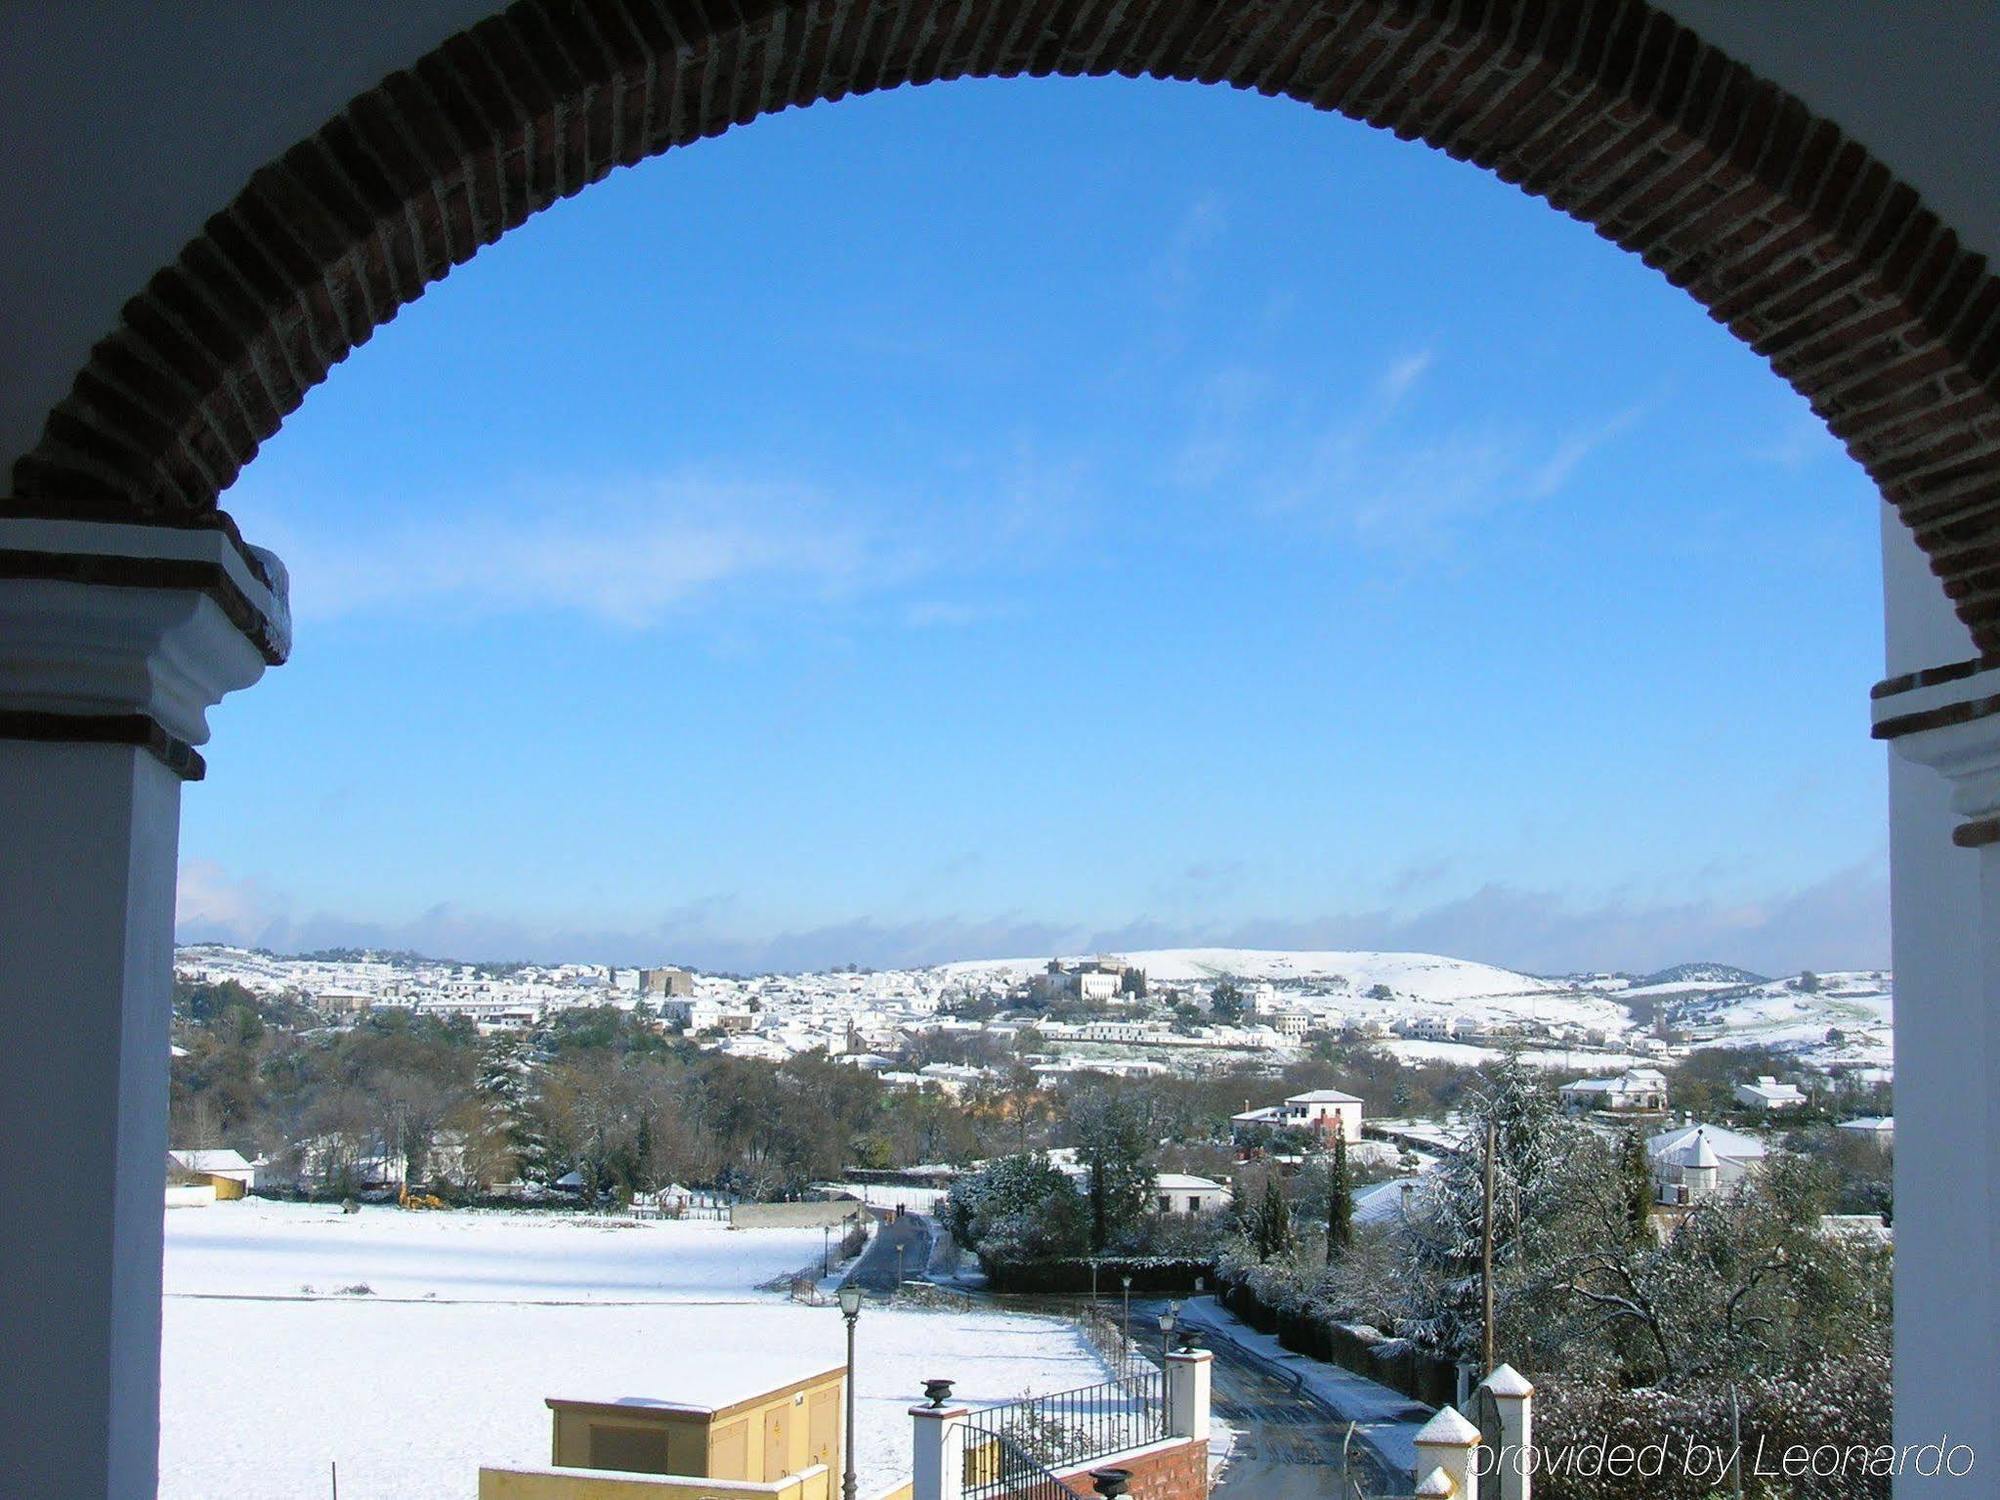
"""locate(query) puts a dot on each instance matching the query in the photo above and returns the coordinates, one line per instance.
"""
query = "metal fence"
(1013, 1450)
(996, 1465)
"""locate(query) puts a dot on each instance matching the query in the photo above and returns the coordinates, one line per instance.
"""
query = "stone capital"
(114, 633)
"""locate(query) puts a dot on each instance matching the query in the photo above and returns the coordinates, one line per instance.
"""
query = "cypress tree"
(1339, 1202)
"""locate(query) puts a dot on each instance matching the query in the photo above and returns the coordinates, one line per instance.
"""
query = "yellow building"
(761, 1435)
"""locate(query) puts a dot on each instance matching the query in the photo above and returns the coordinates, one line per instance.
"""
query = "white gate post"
(1513, 1396)
(1449, 1443)
(937, 1458)
(1188, 1374)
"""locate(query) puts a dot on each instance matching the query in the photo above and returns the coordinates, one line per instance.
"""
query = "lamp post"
(825, 1250)
(850, 1309)
(1167, 1321)
(1125, 1334)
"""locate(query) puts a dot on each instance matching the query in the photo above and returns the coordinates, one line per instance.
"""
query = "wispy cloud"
(1178, 268)
(1799, 442)
(1402, 376)
(1839, 921)
(1386, 470)
(627, 555)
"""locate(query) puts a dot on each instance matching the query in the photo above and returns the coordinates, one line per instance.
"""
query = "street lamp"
(850, 1309)
(825, 1250)
(1125, 1335)
(1167, 1323)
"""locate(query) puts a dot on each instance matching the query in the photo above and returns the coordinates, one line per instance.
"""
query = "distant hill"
(1419, 976)
(1699, 976)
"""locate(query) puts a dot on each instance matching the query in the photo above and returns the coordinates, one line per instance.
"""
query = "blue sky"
(1004, 517)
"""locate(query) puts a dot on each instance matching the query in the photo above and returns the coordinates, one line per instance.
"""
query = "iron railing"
(1012, 1449)
(996, 1465)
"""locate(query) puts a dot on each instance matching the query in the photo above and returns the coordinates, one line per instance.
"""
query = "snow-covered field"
(1584, 1062)
(471, 1319)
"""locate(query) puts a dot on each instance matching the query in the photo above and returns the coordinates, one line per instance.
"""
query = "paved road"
(1287, 1442)
(1288, 1438)
(876, 1270)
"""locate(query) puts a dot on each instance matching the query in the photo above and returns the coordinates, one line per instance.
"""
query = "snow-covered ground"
(1848, 1018)
(473, 1318)
(1583, 1062)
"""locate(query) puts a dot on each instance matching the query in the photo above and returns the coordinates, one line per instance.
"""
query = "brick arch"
(1789, 233)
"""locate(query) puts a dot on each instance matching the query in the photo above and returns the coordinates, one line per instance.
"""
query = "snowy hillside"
(1683, 978)
(1424, 977)
(1840, 1018)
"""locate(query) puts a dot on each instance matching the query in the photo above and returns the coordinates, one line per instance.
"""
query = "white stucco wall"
(125, 123)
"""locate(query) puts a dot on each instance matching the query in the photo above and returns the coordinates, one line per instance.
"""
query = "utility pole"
(1486, 1260)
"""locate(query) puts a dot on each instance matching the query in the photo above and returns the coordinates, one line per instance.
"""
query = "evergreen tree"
(1442, 1303)
(1271, 1222)
(1225, 1001)
(1113, 1147)
(1635, 1171)
(513, 1143)
(1339, 1202)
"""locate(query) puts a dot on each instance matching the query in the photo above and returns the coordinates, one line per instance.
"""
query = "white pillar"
(1513, 1396)
(1450, 1444)
(937, 1457)
(1188, 1375)
(1947, 1037)
(114, 640)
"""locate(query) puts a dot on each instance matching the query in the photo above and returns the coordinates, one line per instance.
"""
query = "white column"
(114, 640)
(1187, 1393)
(937, 1456)
(1947, 1031)
(1513, 1396)
(1449, 1444)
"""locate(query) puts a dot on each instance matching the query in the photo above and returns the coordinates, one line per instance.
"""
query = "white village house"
(1636, 1091)
(1698, 1161)
(1769, 1094)
(1326, 1111)
(1183, 1193)
(1881, 1129)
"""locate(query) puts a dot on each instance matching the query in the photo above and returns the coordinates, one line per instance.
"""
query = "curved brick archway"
(1789, 233)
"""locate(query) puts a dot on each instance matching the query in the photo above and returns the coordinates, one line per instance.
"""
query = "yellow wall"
(785, 1431)
(589, 1484)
